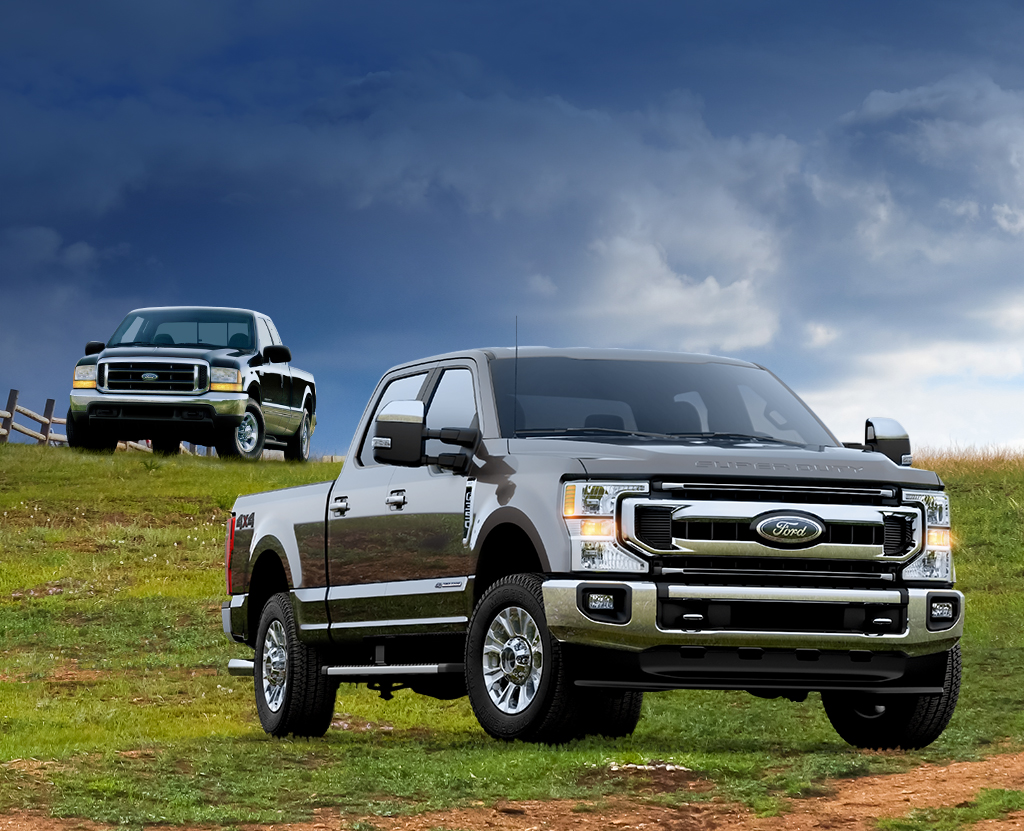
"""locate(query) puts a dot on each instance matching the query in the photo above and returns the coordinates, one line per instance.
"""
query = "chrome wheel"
(248, 433)
(513, 660)
(275, 666)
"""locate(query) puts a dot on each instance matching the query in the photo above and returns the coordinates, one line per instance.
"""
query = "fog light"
(942, 610)
(600, 602)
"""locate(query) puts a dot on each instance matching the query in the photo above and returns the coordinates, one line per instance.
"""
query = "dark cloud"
(818, 188)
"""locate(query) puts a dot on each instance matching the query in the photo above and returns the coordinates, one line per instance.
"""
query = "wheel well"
(268, 578)
(507, 550)
(254, 392)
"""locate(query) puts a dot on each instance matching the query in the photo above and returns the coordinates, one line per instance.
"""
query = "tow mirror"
(94, 346)
(887, 436)
(398, 434)
(276, 354)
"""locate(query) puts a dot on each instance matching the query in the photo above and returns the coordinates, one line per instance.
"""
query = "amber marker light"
(569, 501)
(223, 379)
(85, 377)
(597, 528)
(939, 538)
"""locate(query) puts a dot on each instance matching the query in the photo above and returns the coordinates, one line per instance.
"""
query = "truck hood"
(156, 351)
(705, 461)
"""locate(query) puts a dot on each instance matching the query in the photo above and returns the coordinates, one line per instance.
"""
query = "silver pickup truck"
(556, 531)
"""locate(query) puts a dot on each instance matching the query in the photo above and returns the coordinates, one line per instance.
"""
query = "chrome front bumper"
(642, 630)
(223, 403)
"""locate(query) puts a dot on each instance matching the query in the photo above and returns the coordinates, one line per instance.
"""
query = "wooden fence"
(43, 435)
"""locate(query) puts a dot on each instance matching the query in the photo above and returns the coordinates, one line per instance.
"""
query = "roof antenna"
(515, 387)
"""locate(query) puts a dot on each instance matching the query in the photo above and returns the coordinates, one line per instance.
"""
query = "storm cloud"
(396, 183)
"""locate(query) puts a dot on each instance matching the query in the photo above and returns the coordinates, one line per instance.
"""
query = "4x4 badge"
(789, 529)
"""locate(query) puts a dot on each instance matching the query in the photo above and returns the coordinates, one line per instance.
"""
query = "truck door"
(359, 561)
(430, 563)
(272, 386)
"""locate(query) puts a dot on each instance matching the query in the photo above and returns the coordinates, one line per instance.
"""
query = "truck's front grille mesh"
(170, 377)
(776, 571)
(654, 526)
(899, 536)
(696, 492)
(835, 533)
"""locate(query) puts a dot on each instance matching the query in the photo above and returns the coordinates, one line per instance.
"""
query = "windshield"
(196, 328)
(673, 400)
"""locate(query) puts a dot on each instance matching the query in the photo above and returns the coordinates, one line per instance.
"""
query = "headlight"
(932, 565)
(589, 510)
(223, 379)
(85, 377)
(936, 561)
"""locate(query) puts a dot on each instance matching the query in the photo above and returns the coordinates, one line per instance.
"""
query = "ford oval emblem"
(789, 529)
(149, 376)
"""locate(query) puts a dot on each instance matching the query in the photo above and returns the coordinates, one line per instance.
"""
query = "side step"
(236, 666)
(400, 670)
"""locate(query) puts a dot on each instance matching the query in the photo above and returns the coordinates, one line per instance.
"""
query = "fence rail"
(46, 421)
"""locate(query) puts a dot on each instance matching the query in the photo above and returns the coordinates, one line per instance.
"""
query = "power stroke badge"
(788, 529)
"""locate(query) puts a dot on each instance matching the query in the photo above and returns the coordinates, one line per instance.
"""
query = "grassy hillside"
(115, 706)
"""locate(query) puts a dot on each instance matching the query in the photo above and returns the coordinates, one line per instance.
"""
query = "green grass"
(989, 804)
(115, 705)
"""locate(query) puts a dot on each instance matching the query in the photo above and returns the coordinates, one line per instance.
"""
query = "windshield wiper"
(740, 437)
(563, 431)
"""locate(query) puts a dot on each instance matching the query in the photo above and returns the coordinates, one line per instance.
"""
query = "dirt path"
(853, 806)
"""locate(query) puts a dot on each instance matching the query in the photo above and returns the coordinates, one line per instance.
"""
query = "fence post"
(48, 415)
(5, 424)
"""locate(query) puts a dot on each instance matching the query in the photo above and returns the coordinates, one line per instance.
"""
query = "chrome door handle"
(340, 506)
(396, 499)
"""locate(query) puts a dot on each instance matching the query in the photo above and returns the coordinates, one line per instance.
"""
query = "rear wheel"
(291, 694)
(166, 447)
(298, 445)
(246, 440)
(884, 722)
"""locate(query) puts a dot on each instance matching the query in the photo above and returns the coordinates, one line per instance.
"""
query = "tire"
(80, 436)
(298, 445)
(887, 722)
(517, 682)
(291, 694)
(246, 440)
(166, 447)
(610, 713)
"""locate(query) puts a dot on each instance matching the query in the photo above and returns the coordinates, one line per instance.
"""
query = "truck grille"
(782, 616)
(696, 492)
(776, 571)
(721, 520)
(170, 376)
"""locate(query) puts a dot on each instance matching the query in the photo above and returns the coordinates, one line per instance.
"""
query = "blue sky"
(835, 190)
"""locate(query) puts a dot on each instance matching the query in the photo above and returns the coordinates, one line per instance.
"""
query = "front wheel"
(246, 440)
(298, 445)
(291, 694)
(79, 435)
(517, 682)
(885, 722)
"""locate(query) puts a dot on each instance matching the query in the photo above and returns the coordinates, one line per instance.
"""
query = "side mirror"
(94, 346)
(887, 436)
(398, 434)
(277, 354)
